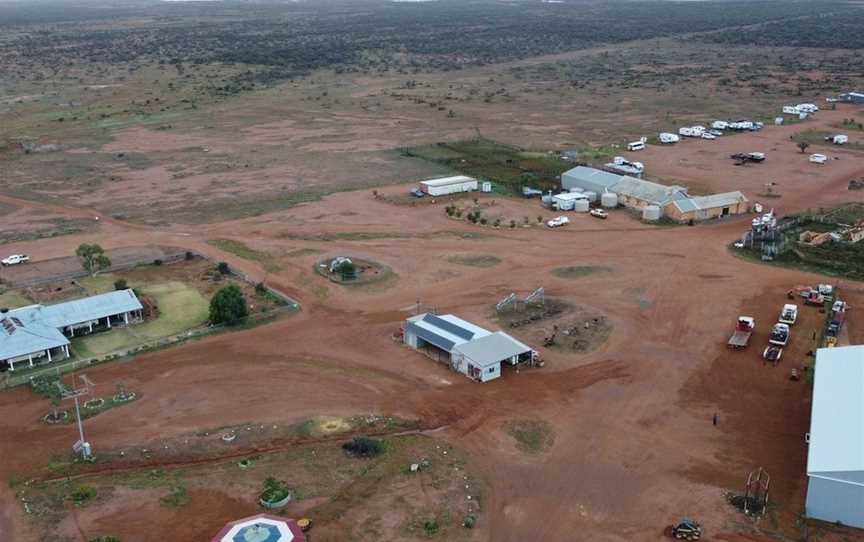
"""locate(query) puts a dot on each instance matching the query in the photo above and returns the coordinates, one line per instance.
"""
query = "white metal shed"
(835, 460)
(449, 185)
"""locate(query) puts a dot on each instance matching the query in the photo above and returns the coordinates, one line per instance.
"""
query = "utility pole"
(82, 446)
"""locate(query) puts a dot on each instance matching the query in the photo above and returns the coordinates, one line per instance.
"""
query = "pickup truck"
(743, 331)
(779, 334)
(789, 314)
(15, 259)
(558, 221)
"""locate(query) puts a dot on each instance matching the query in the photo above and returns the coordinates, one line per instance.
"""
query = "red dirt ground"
(634, 445)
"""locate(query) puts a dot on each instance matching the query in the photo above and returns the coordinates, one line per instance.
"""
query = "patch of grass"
(177, 497)
(579, 271)
(817, 137)
(82, 494)
(181, 308)
(344, 236)
(12, 299)
(477, 260)
(300, 252)
(485, 159)
(531, 436)
(242, 250)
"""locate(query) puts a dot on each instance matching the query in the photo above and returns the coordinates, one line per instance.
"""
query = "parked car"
(717, 133)
(558, 221)
(818, 158)
(15, 259)
(599, 213)
(417, 193)
(707, 135)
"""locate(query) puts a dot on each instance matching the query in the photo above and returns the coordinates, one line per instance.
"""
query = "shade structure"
(261, 528)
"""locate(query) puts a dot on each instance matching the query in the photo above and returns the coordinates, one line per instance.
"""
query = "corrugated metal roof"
(713, 201)
(20, 337)
(837, 418)
(589, 178)
(445, 330)
(657, 194)
(40, 325)
(491, 349)
(444, 181)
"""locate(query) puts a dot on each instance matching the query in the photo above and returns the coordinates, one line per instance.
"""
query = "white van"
(636, 146)
(818, 158)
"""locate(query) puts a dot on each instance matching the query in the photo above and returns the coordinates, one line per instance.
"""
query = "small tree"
(539, 219)
(120, 284)
(223, 268)
(512, 223)
(228, 306)
(803, 146)
(93, 258)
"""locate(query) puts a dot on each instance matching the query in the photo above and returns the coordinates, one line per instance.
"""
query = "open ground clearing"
(262, 167)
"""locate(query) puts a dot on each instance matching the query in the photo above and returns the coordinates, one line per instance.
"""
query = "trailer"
(838, 139)
(667, 138)
(780, 334)
(743, 331)
(789, 314)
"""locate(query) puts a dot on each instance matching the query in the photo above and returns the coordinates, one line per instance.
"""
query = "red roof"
(290, 523)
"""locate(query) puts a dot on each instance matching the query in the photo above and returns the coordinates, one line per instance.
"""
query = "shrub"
(157, 262)
(483, 221)
(260, 288)
(83, 493)
(177, 496)
(105, 539)
(120, 284)
(470, 521)
(363, 447)
(431, 527)
(274, 490)
(228, 306)
(512, 223)
(189, 255)
(223, 268)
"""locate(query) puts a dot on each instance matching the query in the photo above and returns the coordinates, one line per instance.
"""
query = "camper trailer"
(667, 139)
(636, 145)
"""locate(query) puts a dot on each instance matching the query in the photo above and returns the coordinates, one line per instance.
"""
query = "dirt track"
(634, 444)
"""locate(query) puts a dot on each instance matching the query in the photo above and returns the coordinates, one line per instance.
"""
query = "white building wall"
(432, 190)
(833, 500)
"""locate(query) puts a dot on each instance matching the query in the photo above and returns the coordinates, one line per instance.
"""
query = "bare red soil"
(634, 448)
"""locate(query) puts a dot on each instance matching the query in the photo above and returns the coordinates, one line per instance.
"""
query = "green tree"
(803, 146)
(228, 306)
(93, 257)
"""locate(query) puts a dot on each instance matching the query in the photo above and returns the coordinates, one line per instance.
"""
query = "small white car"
(818, 158)
(599, 213)
(707, 135)
(15, 259)
(739, 244)
(558, 221)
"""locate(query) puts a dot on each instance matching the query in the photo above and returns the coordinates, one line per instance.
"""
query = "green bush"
(105, 539)
(364, 447)
(177, 496)
(228, 306)
(274, 490)
(260, 288)
(120, 284)
(223, 268)
(83, 493)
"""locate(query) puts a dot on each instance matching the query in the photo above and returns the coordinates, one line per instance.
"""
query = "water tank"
(592, 196)
(581, 206)
(609, 200)
(486, 186)
(576, 190)
(651, 213)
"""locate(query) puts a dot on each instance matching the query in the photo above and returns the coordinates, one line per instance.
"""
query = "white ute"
(558, 221)
(789, 314)
(15, 259)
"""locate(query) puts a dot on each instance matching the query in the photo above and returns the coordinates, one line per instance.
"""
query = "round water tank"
(651, 213)
(609, 200)
(486, 186)
(581, 206)
(592, 196)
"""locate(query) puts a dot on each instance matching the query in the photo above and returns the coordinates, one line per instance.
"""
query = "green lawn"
(180, 306)
(12, 299)
(242, 250)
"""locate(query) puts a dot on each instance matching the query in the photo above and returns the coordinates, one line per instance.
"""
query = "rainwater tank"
(592, 196)
(576, 190)
(581, 206)
(651, 213)
(609, 200)
(486, 187)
